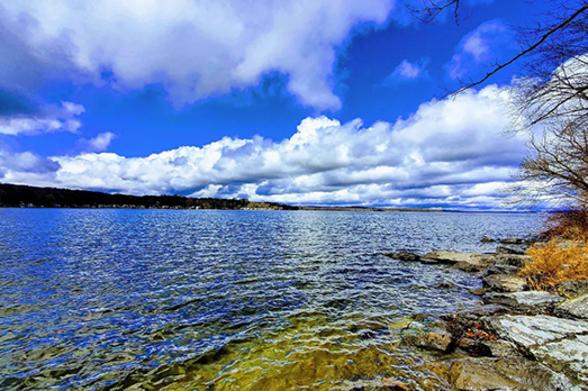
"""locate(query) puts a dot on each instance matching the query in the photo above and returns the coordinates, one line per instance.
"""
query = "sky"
(309, 102)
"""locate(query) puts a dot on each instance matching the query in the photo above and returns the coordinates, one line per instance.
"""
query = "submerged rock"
(576, 308)
(505, 283)
(512, 373)
(487, 239)
(526, 301)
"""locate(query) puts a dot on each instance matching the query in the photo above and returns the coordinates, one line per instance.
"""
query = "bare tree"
(551, 97)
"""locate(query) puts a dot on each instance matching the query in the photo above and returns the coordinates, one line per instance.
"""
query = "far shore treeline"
(44, 197)
(20, 196)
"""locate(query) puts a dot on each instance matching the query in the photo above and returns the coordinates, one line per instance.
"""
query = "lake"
(194, 299)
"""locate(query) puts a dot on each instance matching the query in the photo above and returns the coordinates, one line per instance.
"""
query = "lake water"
(259, 300)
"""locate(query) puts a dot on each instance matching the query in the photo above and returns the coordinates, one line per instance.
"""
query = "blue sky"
(318, 102)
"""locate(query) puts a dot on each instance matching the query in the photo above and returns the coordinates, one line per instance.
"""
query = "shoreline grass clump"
(564, 256)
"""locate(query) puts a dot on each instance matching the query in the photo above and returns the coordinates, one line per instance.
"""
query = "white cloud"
(451, 152)
(195, 49)
(480, 46)
(50, 119)
(99, 143)
(407, 70)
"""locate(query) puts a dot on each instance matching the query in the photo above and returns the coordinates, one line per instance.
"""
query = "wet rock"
(513, 250)
(445, 285)
(436, 339)
(514, 241)
(404, 255)
(501, 269)
(511, 259)
(462, 260)
(527, 301)
(473, 346)
(574, 308)
(487, 239)
(505, 283)
(478, 291)
(572, 289)
(505, 374)
(393, 385)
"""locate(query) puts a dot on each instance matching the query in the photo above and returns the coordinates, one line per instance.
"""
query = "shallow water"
(260, 300)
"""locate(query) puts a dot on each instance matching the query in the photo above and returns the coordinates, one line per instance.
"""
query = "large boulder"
(512, 373)
(462, 260)
(526, 302)
(574, 308)
(562, 344)
(505, 283)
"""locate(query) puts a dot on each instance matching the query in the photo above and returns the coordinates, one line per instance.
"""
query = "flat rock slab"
(528, 331)
(505, 374)
(527, 301)
(562, 344)
(505, 283)
(577, 308)
(462, 260)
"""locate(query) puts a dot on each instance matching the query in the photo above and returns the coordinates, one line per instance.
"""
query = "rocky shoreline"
(516, 338)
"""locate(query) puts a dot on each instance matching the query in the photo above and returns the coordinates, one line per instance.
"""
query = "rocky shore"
(516, 338)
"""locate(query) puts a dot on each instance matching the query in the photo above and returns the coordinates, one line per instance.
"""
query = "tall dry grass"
(564, 257)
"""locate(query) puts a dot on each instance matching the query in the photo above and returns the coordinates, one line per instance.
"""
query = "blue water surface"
(89, 298)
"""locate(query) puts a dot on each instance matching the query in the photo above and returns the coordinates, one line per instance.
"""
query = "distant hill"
(46, 197)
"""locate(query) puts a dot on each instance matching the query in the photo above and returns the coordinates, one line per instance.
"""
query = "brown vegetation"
(564, 257)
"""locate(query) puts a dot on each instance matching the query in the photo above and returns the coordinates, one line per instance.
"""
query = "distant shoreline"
(22, 196)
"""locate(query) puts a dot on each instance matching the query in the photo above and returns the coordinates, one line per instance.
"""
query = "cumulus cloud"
(479, 47)
(195, 49)
(99, 143)
(63, 118)
(407, 70)
(450, 152)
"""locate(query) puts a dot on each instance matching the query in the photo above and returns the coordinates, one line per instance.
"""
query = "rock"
(513, 373)
(505, 283)
(487, 239)
(473, 346)
(392, 385)
(514, 241)
(572, 289)
(527, 301)
(511, 259)
(478, 291)
(501, 269)
(530, 331)
(462, 260)
(501, 348)
(445, 285)
(574, 308)
(510, 250)
(561, 344)
(437, 339)
(404, 255)
(569, 355)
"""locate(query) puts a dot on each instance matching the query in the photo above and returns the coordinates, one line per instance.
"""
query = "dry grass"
(563, 258)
